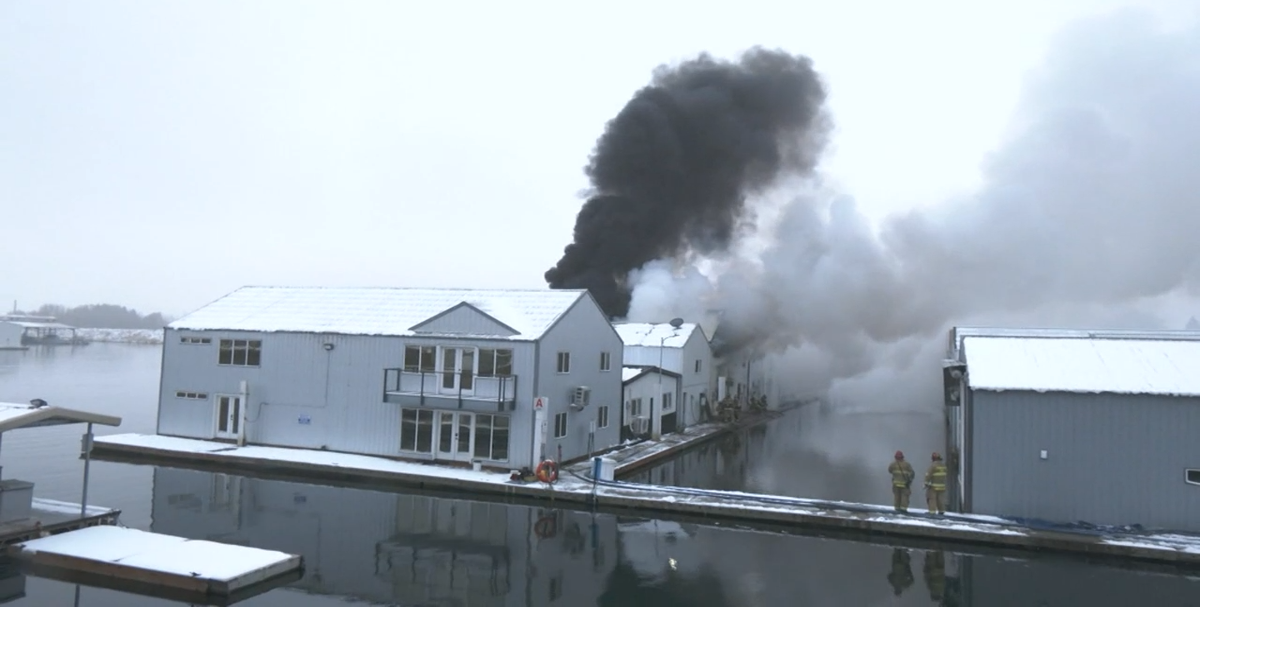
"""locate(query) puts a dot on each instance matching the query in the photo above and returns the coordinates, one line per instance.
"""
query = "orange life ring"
(548, 472)
(545, 528)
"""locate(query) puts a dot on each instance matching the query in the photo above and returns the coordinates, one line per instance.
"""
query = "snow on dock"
(200, 570)
(575, 488)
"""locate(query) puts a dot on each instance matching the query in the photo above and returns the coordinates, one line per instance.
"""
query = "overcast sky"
(161, 154)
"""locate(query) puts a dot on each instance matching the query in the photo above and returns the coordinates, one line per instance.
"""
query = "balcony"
(449, 391)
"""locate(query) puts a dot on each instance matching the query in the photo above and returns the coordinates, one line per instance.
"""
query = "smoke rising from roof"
(1088, 210)
(672, 172)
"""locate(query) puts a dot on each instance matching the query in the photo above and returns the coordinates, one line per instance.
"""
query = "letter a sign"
(540, 403)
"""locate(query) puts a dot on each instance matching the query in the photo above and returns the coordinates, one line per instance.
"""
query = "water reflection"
(806, 453)
(414, 550)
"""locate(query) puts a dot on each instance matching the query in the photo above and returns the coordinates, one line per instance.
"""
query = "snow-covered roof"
(1122, 366)
(19, 416)
(39, 325)
(632, 373)
(629, 372)
(650, 335)
(376, 311)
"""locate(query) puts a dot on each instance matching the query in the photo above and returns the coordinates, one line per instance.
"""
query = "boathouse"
(501, 378)
(1101, 427)
(684, 350)
(640, 395)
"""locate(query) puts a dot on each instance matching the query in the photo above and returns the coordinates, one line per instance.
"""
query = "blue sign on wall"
(304, 419)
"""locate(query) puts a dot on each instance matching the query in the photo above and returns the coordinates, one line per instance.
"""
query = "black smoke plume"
(672, 173)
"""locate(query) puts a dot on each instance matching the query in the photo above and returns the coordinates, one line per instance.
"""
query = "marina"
(576, 486)
(83, 544)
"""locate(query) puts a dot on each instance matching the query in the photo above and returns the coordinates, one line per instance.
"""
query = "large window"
(668, 399)
(602, 417)
(415, 430)
(232, 352)
(562, 425)
(633, 407)
(562, 362)
(606, 361)
(420, 358)
(494, 363)
(493, 437)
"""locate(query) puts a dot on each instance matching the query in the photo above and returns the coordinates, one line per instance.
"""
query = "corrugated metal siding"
(1112, 459)
(465, 320)
(584, 332)
(338, 390)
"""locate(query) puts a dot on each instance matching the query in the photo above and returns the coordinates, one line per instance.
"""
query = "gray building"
(1067, 426)
(433, 374)
(684, 350)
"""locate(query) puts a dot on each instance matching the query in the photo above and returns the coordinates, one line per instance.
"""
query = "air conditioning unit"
(639, 425)
(581, 398)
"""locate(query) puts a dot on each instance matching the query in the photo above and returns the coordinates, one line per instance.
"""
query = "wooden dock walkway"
(187, 570)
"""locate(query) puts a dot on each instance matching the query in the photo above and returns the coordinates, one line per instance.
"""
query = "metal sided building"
(1076, 426)
(447, 375)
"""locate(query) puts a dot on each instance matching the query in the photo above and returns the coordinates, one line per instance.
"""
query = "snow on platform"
(1090, 365)
(574, 487)
(199, 567)
(176, 446)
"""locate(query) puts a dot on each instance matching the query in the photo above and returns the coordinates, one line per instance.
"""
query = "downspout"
(536, 434)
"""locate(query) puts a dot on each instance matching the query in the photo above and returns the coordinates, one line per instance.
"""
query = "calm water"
(367, 548)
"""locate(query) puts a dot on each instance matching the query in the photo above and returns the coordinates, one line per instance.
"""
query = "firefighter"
(903, 475)
(900, 576)
(935, 575)
(935, 486)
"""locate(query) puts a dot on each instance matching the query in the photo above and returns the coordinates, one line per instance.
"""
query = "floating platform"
(49, 516)
(187, 570)
(575, 488)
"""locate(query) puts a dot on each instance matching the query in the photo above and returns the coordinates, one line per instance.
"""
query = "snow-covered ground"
(139, 336)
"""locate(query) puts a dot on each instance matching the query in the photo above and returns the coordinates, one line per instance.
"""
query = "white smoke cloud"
(1089, 216)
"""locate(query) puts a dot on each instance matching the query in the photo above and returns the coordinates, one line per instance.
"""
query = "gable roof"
(643, 334)
(1088, 365)
(632, 373)
(377, 311)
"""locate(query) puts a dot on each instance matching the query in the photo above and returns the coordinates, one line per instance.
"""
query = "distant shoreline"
(132, 336)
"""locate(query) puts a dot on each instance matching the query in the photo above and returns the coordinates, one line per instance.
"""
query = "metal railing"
(437, 386)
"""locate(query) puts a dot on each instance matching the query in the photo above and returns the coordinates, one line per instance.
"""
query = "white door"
(229, 409)
(454, 433)
(457, 370)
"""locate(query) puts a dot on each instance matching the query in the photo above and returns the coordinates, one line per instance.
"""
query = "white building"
(448, 375)
(11, 335)
(640, 394)
(684, 350)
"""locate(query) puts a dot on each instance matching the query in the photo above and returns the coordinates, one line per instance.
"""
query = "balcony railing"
(449, 390)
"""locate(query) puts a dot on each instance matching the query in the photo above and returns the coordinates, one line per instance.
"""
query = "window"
(602, 417)
(493, 437)
(562, 425)
(420, 358)
(633, 407)
(494, 363)
(239, 353)
(195, 340)
(415, 430)
(697, 366)
(605, 361)
(562, 362)
(667, 400)
(192, 395)
(1193, 476)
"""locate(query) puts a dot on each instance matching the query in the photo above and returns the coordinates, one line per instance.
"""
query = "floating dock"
(187, 570)
(48, 516)
(576, 488)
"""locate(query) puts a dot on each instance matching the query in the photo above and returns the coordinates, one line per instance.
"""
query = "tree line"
(100, 316)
